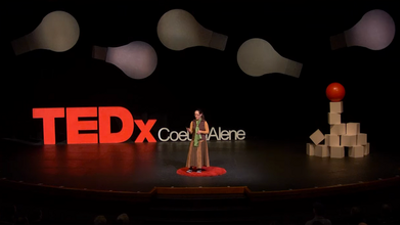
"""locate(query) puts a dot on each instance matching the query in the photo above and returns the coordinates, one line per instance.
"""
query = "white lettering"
(182, 136)
(230, 134)
(213, 133)
(159, 134)
(173, 139)
(242, 135)
(224, 135)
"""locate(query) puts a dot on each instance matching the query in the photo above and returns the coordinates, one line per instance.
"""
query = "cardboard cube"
(352, 128)
(338, 129)
(317, 137)
(348, 140)
(356, 151)
(366, 149)
(332, 140)
(361, 139)
(321, 151)
(336, 152)
(336, 107)
(310, 149)
(334, 118)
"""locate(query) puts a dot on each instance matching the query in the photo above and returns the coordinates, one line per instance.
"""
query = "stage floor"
(259, 165)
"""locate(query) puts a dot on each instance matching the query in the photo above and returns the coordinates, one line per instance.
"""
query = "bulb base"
(218, 41)
(293, 68)
(99, 53)
(338, 41)
(20, 45)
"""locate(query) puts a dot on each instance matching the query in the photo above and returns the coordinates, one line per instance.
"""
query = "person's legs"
(202, 155)
(199, 156)
(191, 159)
(199, 169)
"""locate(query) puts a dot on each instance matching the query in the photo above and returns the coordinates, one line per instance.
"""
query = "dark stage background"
(271, 107)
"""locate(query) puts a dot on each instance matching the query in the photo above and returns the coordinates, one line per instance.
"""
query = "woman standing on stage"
(198, 149)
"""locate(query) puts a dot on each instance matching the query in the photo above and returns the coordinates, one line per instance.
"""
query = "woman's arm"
(206, 129)
(191, 127)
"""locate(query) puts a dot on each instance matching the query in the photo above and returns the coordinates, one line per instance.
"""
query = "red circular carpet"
(206, 172)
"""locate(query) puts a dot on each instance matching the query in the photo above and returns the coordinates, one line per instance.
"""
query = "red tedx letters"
(103, 124)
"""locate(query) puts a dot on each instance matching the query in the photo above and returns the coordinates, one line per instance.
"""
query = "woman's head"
(199, 114)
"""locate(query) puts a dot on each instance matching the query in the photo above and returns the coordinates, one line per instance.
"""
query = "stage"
(261, 166)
